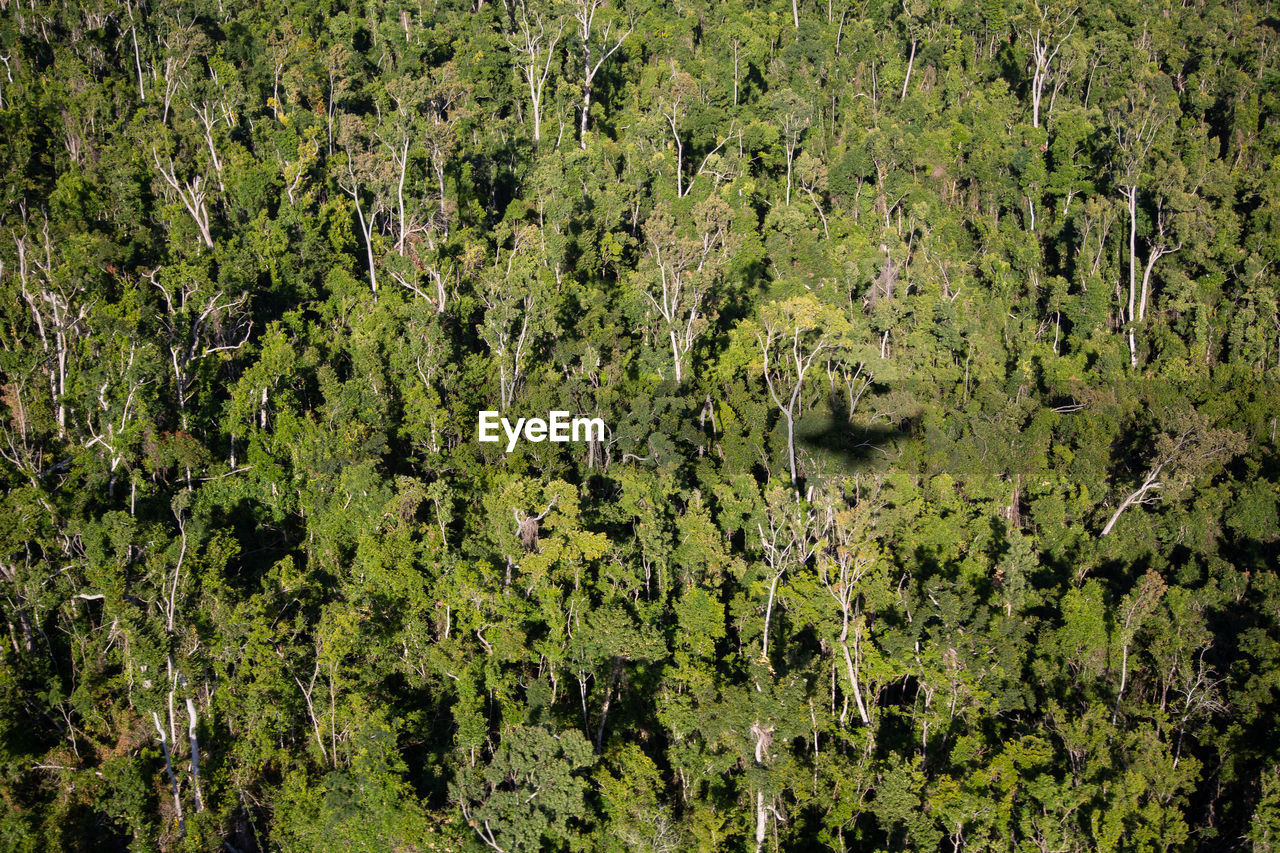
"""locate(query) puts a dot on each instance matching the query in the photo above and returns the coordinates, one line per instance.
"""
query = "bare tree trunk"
(534, 35)
(585, 14)
(168, 765)
(910, 63)
(190, 194)
(791, 447)
(768, 613)
(195, 755)
(1158, 251)
(853, 672)
(404, 168)
(1131, 199)
(311, 711)
(679, 159)
(137, 57)
(791, 156)
(366, 229)
(440, 294)
(762, 818)
(608, 699)
(1037, 88)
(1043, 51)
(1124, 676)
(1151, 483)
(1146, 281)
(735, 72)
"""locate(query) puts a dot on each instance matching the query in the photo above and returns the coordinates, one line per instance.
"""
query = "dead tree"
(533, 47)
(527, 526)
(609, 40)
(190, 191)
(59, 313)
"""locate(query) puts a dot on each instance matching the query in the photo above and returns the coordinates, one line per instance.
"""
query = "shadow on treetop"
(846, 443)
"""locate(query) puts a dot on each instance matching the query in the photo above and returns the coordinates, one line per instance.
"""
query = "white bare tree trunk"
(168, 765)
(535, 44)
(910, 63)
(585, 15)
(762, 818)
(1151, 483)
(307, 693)
(137, 55)
(768, 613)
(366, 227)
(192, 195)
(1043, 52)
(853, 671)
(1131, 200)
(195, 755)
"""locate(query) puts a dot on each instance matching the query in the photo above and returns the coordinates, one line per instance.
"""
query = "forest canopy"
(936, 347)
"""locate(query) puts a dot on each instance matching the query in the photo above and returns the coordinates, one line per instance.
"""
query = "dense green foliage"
(938, 347)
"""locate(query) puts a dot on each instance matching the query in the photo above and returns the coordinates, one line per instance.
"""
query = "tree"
(687, 258)
(794, 117)
(59, 309)
(533, 44)
(260, 267)
(794, 532)
(605, 37)
(1135, 128)
(197, 324)
(1135, 608)
(792, 335)
(673, 99)
(847, 560)
(519, 310)
(364, 172)
(529, 792)
(1046, 30)
(191, 192)
(1189, 448)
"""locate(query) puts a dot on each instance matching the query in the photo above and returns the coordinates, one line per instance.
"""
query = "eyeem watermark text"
(558, 426)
